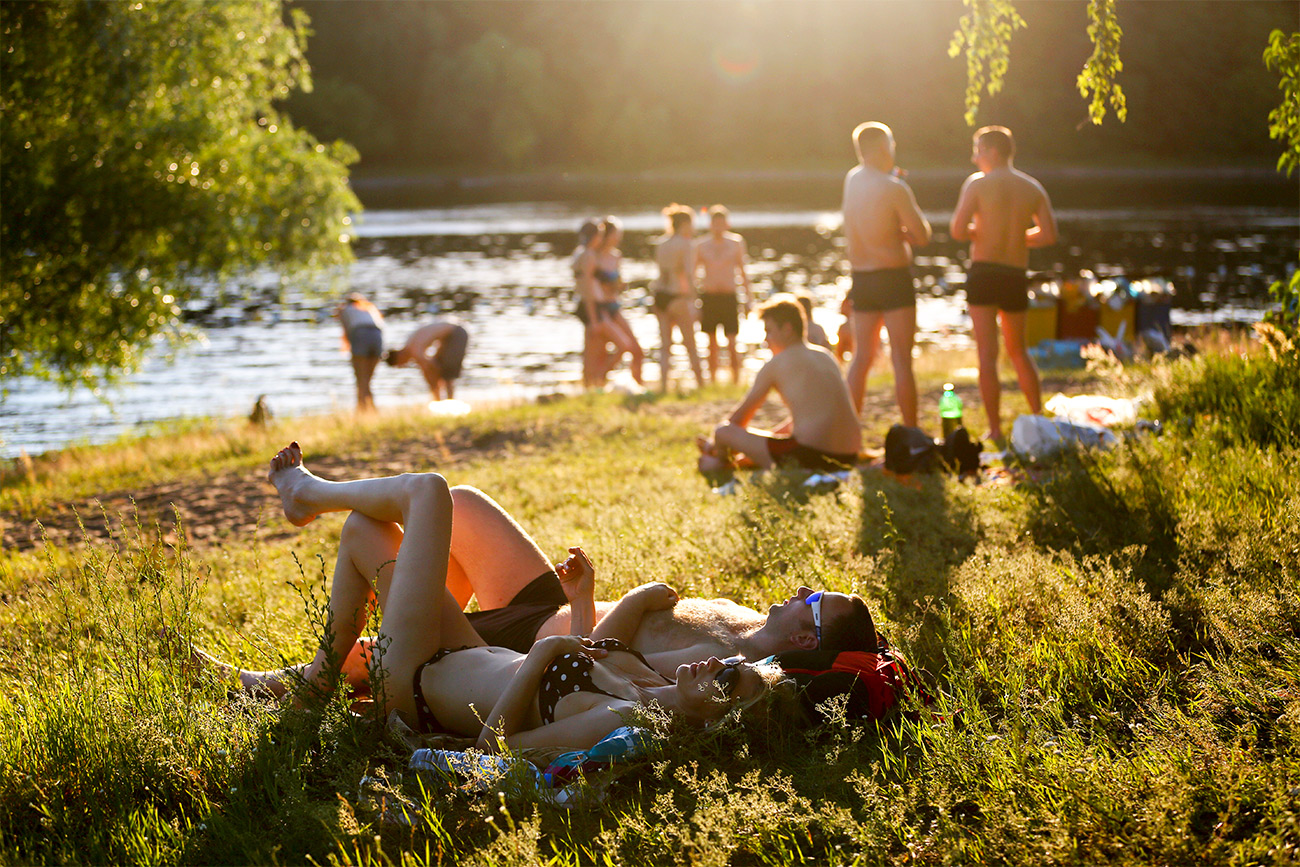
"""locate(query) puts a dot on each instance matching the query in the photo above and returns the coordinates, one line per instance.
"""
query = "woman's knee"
(360, 529)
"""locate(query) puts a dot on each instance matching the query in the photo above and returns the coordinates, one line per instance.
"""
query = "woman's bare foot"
(289, 476)
(253, 682)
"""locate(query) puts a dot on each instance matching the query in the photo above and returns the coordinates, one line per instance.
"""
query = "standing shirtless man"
(1003, 213)
(822, 433)
(882, 224)
(722, 257)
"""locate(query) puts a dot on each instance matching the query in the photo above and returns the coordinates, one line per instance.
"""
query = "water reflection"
(503, 271)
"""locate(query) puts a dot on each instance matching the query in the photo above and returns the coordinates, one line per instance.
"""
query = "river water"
(503, 271)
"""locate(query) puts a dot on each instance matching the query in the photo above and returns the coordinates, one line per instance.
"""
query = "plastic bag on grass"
(1038, 437)
(1094, 409)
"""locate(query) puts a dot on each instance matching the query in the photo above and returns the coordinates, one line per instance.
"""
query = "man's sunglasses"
(815, 600)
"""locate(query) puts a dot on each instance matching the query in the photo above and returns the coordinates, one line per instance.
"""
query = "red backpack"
(874, 682)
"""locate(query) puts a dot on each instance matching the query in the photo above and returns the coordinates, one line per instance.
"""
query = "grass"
(1123, 640)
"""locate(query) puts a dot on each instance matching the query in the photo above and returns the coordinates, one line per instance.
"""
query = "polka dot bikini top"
(571, 673)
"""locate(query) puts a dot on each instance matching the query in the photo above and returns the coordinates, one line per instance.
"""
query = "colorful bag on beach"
(874, 683)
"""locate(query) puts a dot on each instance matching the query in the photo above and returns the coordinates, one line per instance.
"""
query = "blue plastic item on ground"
(1058, 354)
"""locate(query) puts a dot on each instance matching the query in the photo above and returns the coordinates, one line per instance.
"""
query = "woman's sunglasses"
(728, 679)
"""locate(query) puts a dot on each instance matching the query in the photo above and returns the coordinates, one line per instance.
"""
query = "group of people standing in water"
(675, 299)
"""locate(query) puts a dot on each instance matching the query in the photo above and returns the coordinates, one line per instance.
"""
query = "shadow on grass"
(918, 533)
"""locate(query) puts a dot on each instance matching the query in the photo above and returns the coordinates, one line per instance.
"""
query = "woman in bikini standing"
(590, 310)
(675, 299)
(566, 692)
(606, 272)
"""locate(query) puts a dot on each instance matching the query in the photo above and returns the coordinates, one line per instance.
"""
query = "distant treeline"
(486, 86)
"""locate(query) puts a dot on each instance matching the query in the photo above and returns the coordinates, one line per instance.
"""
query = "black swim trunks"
(719, 309)
(570, 673)
(886, 289)
(515, 626)
(451, 352)
(662, 299)
(788, 451)
(992, 284)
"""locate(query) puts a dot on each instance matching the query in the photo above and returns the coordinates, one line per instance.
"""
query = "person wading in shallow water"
(1003, 213)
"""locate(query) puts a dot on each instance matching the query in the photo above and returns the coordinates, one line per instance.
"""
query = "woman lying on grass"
(566, 692)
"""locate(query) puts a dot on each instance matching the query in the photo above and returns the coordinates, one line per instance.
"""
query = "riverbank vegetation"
(1120, 632)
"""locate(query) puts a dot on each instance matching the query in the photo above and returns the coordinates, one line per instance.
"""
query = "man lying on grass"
(566, 692)
(523, 599)
(822, 433)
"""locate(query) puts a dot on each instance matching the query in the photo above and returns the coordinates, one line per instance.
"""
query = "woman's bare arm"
(511, 710)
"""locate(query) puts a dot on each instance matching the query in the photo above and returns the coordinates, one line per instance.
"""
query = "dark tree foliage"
(630, 85)
(142, 158)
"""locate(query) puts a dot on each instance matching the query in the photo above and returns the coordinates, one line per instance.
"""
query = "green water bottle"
(949, 410)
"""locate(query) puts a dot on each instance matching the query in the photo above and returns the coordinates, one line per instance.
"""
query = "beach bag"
(873, 682)
(960, 453)
(909, 450)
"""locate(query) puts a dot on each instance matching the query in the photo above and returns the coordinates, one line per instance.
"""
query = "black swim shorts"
(886, 289)
(515, 626)
(719, 310)
(787, 451)
(992, 284)
(663, 298)
(451, 352)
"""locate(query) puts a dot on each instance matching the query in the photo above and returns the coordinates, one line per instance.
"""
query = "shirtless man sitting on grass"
(822, 433)
(522, 598)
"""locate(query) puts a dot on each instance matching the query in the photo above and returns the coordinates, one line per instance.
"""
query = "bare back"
(1002, 206)
(675, 257)
(880, 216)
(809, 381)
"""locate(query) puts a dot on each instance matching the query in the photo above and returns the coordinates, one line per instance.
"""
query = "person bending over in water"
(566, 692)
(822, 433)
(441, 367)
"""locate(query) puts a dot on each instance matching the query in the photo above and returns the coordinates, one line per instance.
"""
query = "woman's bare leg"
(419, 612)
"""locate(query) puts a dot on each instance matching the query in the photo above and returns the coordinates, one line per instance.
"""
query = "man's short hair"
(785, 310)
(855, 630)
(680, 216)
(870, 135)
(997, 138)
(806, 302)
(716, 211)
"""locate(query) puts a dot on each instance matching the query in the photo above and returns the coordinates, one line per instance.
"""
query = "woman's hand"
(553, 646)
(577, 575)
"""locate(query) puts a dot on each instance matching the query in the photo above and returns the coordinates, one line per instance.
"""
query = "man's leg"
(752, 445)
(665, 348)
(713, 354)
(901, 325)
(866, 343)
(1013, 334)
(733, 352)
(984, 325)
(686, 327)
